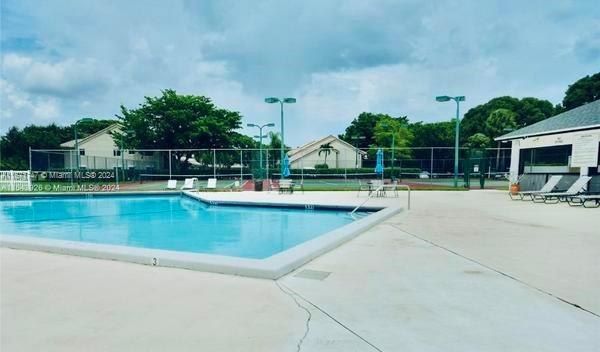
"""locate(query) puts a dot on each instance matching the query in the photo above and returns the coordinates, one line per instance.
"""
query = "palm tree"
(326, 149)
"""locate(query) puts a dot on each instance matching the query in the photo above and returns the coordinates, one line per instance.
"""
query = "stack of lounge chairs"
(576, 191)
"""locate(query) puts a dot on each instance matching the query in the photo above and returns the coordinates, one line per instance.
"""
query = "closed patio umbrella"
(379, 163)
(286, 166)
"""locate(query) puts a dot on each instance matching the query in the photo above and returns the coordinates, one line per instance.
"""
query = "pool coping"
(272, 267)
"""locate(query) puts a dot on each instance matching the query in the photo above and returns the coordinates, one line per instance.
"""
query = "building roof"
(582, 117)
(71, 143)
(298, 153)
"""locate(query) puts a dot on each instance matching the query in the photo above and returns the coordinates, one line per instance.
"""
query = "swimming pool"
(181, 230)
(168, 222)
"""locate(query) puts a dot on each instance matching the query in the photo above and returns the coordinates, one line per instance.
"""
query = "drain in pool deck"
(313, 274)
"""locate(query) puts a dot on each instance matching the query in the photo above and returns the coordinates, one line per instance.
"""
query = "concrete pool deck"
(461, 271)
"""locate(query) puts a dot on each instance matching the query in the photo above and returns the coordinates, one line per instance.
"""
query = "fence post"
(169, 164)
(30, 158)
(241, 165)
(267, 175)
(214, 163)
(431, 164)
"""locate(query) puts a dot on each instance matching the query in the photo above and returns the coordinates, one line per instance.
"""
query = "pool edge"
(272, 267)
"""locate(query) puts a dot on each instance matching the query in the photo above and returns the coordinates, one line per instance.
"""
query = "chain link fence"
(324, 168)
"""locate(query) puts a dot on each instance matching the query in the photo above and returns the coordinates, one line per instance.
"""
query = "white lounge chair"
(547, 188)
(172, 184)
(188, 183)
(554, 197)
(211, 183)
(584, 199)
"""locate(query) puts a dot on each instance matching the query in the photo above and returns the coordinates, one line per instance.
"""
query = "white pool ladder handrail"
(366, 200)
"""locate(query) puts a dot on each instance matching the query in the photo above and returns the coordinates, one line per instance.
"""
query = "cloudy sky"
(63, 60)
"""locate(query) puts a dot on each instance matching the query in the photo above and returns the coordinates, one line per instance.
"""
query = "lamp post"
(393, 148)
(260, 143)
(86, 119)
(456, 99)
(355, 139)
(273, 100)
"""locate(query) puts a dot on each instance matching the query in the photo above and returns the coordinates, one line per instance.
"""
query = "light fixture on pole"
(273, 100)
(457, 99)
(260, 138)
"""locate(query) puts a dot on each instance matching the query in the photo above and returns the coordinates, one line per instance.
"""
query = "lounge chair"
(188, 183)
(555, 197)
(234, 186)
(584, 199)
(211, 183)
(172, 184)
(547, 188)
(286, 186)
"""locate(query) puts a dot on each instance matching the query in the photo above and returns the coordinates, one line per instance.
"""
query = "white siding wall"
(346, 158)
(99, 154)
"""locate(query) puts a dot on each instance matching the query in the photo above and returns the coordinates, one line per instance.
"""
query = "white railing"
(15, 180)
(378, 189)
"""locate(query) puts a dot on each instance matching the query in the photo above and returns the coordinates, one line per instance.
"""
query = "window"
(545, 156)
(131, 151)
(81, 151)
(116, 152)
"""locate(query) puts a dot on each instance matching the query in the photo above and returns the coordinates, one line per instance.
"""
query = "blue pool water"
(170, 222)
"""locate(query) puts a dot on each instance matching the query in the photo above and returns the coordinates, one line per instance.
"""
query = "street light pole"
(282, 101)
(87, 119)
(260, 145)
(456, 99)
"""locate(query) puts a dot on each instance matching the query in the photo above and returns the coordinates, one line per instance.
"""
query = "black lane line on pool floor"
(497, 271)
(324, 312)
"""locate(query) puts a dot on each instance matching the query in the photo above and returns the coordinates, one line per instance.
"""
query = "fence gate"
(15, 180)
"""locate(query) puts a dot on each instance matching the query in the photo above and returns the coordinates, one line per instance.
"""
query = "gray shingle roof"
(579, 118)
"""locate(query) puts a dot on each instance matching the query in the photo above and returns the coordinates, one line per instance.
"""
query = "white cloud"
(66, 78)
(17, 106)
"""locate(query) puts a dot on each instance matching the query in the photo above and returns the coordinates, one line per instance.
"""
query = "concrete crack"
(308, 313)
(328, 315)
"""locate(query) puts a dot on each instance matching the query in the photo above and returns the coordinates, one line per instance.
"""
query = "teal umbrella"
(379, 164)
(286, 167)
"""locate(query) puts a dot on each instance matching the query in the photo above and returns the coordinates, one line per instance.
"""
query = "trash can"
(258, 185)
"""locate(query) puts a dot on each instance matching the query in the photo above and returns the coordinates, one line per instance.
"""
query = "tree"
(364, 126)
(500, 122)
(326, 149)
(390, 129)
(528, 111)
(478, 140)
(174, 121)
(435, 134)
(584, 90)
(15, 144)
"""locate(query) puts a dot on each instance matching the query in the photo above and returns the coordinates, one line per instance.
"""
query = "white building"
(330, 150)
(567, 143)
(99, 151)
